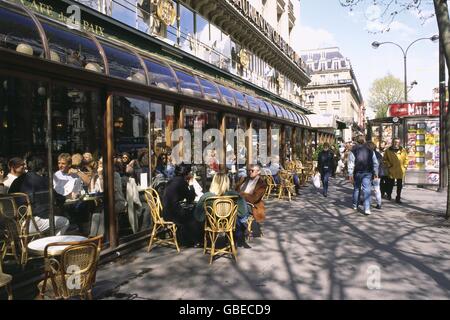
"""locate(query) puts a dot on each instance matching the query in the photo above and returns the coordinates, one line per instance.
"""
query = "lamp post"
(376, 45)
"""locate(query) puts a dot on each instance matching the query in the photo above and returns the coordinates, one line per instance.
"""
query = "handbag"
(316, 180)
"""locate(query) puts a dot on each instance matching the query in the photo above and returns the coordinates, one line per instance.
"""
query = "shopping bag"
(316, 180)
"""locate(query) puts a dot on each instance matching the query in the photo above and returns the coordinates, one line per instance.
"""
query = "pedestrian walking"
(376, 182)
(362, 166)
(396, 160)
(384, 177)
(325, 166)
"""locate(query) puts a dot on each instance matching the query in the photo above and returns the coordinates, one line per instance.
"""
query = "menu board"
(423, 148)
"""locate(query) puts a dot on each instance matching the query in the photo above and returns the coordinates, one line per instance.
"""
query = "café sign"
(71, 17)
(414, 109)
(257, 19)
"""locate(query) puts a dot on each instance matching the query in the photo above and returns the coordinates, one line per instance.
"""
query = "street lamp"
(377, 44)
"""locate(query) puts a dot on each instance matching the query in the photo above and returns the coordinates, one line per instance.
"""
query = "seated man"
(178, 189)
(36, 187)
(16, 169)
(68, 184)
(252, 189)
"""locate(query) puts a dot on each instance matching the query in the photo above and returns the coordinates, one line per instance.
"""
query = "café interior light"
(25, 49)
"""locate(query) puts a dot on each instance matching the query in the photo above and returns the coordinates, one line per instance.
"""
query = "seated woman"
(178, 189)
(220, 186)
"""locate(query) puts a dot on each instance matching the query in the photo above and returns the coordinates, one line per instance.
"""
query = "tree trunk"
(443, 21)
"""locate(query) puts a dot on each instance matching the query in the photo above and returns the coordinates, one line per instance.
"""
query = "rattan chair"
(73, 272)
(221, 215)
(271, 185)
(159, 224)
(17, 206)
(287, 185)
(5, 279)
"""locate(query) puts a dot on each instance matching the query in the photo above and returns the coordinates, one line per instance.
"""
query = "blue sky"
(325, 23)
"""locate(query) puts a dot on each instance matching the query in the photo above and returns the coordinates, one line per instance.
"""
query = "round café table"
(38, 246)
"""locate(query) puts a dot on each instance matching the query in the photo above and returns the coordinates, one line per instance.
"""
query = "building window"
(187, 29)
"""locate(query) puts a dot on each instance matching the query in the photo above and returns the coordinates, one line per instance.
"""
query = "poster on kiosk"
(421, 140)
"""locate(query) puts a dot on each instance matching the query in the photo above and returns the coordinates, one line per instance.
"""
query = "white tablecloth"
(38, 245)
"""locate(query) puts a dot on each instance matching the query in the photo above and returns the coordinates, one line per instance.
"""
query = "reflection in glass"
(227, 95)
(77, 131)
(253, 104)
(132, 119)
(240, 99)
(19, 33)
(188, 84)
(187, 36)
(73, 49)
(161, 75)
(271, 109)
(205, 163)
(210, 90)
(123, 64)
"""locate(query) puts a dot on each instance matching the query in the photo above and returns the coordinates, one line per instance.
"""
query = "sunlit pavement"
(313, 248)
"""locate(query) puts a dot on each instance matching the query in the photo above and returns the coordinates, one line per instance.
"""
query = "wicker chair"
(159, 224)
(5, 279)
(221, 215)
(73, 272)
(17, 206)
(287, 185)
(271, 185)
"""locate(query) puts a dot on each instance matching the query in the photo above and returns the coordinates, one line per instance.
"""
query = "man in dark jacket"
(36, 187)
(326, 166)
(177, 190)
(362, 166)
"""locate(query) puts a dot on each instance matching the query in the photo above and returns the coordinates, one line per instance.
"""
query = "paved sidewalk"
(313, 248)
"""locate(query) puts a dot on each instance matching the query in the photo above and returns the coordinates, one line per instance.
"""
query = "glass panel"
(19, 33)
(299, 117)
(161, 75)
(210, 90)
(123, 64)
(253, 104)
(227, 95)
(291, 115)
(78, 150)
(298, 144)
(204, 165)
(284, 112)
(262, 106)
(132, 164)
(202, 27)
(162, 123)
(73, 49)
(236, 151)
(23, 116)
(125, 11)
(188, 84)
(270, 108)
(288, 142)
(278, 110)
(259, 143)
(187, 36)
(240, 99)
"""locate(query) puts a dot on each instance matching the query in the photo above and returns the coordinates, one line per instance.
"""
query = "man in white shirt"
(16, 169)
(67, 181)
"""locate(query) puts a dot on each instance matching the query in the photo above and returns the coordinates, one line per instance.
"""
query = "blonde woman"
(220, 186)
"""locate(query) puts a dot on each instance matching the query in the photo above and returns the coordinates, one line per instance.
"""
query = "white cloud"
(311, 38)
(377, 26)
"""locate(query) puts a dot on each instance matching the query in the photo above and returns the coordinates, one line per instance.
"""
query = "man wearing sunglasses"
(252, 189)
